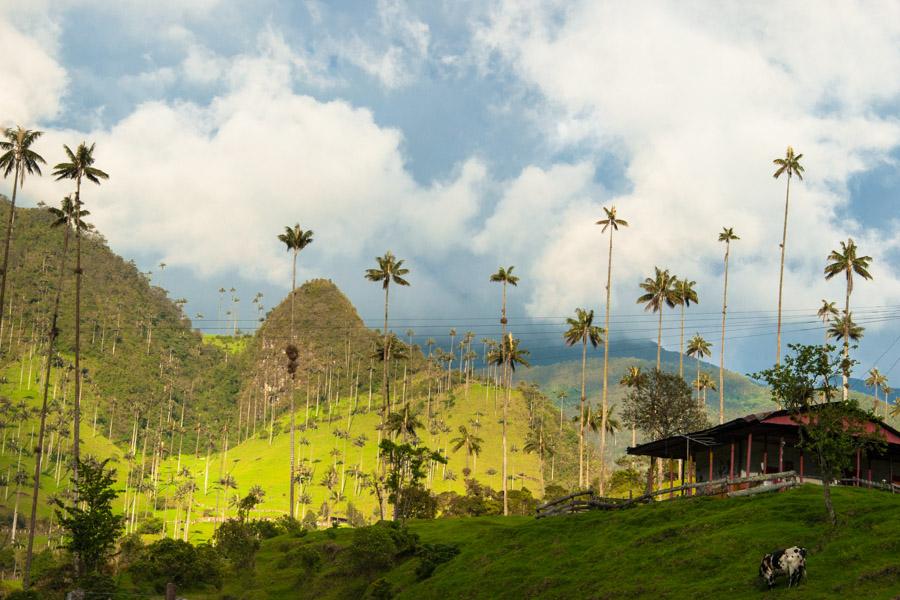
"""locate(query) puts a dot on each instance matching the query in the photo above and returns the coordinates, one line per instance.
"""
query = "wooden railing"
(587, 500)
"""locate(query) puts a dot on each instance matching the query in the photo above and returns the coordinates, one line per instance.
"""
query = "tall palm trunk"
(43, 420)
(722, 345)
(505, 411)
(845, 370)
(787, 198)
(6, 243)
(76, 428)
(581, 413)
(659, 339)
(384, 361)
(681, 341)
(293, 289)
(604, 409)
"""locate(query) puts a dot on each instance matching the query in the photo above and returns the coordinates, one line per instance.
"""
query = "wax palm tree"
(389, 270)
(698, 348)
(612, 223)
(886, 390)
(469, 440)
(845, 330)
(846, 262)
(582, 329)
(727, 235)
(508, 353)
(875, 379)
(659, 293)
(79, 166)
(295, 239)
(827, 312)
(504, 276)
(17, 158)
(69, 216)
(790, 166)
(686, 295)
(705, 382)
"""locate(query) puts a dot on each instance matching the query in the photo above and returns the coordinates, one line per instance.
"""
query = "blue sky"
(466, 135)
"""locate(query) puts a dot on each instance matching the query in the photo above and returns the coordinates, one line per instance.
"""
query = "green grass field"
(698, 548)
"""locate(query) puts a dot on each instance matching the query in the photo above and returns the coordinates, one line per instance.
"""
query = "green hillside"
(678, 549)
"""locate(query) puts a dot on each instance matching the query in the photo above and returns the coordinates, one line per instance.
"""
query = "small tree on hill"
(89, 522)
(404, 465)
(660, 405)
(833, 430)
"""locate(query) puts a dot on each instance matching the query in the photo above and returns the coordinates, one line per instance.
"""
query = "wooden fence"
(743, 486)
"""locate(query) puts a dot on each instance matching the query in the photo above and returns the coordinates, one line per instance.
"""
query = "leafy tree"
(612, 223)
(90, 524)
(80, 166)
(661, 405)
(833, 430)
(582, 329)
(846, 262)
(17, 158)
(659, 292)
(790, 166)
(404, 469)
(729, 236)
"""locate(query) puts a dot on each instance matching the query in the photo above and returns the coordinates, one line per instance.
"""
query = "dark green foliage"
(832, 429)
(238, 542)
(150, 526)
(306, 557)
(432, 555)
(661, 405)
(91, 527)
(405, 468)
(355, 518)
(309, 521)
(381, 589)
(177, 561)
(373, 550)
(417, 503)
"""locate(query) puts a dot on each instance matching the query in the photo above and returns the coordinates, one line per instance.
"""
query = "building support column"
(801, 466)
(731, 465)
(710, 465)
(781, 455)
(858, 452)
(749, 453)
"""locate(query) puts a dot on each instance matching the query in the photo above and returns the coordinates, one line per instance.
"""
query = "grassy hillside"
(702, 548)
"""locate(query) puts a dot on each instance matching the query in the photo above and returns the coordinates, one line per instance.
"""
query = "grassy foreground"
(702, 548)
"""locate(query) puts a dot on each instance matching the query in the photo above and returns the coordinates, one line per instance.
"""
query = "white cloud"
(209, 186)
(32, 81)
(697, 104)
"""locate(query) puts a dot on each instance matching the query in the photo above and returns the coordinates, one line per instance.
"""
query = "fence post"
(170, 591)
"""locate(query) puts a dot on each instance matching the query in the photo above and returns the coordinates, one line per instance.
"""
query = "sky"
(466, 135)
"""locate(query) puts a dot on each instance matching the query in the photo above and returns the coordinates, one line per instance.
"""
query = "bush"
(289, 525)
(309, 521)
(238, 542)
(150, 526)
(380, 590)
(372, 550)
(417, 503)
(355, 518)
(179, 562)
(267, 529)
(432, 555)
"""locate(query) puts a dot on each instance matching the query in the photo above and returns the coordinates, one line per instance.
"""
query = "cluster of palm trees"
(18, 157)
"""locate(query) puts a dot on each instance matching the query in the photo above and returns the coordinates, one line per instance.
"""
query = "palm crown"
(633, 377)
(80, 165)
(846, 261)
(698, 347)
(727, 235)
(389, 270)
(582, 329)
(685, 292)
(296, 239)
(69, 213)
(17, 152)
(508, 351)
(790, 164)
(505, 276)
(660, 291)
(611, 220)
(827, 311)
(845, 327)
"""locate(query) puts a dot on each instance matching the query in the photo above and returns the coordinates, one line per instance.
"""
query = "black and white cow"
(790, 561)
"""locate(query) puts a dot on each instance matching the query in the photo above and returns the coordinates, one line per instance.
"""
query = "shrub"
(416, 503)
(309, 521)
(355, 518)
(179, 562)
(432, 555)
(238, 542)
(150, 526)
(372, 550)
(380, 590)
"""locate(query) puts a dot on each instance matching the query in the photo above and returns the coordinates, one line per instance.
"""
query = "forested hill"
(138, 347)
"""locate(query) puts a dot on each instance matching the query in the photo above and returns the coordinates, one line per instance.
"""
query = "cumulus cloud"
(697, 105)
(33, 81)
